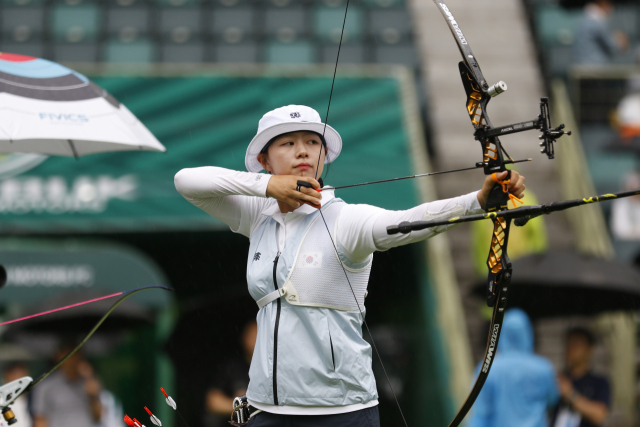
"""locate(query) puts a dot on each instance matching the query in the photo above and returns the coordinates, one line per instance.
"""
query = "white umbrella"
(46, 108)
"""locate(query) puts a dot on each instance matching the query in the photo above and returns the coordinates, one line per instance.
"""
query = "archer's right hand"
(284, 188)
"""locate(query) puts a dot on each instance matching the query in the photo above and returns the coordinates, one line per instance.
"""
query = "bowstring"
(326, 120)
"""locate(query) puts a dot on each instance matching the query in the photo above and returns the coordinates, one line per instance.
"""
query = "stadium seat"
(22, 25)
(193, 52)
(404, 54)
(240, 53)
(286, 24)
(20, 3)
(75, 52)
(180, 25)
(281, 3)
(75, 24)
(328, 24)
(233, 25)
(128, 23)
(176, 3)
(349, 53)
(28, 49)
(300, 52)
(71, 2)
(383, 3)
(556, 25)
(334, 3)
(141, 51)
(125, 3)
(231, 3)
(390, 26)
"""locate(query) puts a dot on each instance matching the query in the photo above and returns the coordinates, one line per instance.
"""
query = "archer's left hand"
(516, 186)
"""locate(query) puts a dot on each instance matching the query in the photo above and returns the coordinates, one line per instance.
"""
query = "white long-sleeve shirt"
(239, 200)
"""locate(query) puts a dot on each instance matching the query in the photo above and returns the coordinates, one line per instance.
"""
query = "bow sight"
(542, 122)
(478, 96)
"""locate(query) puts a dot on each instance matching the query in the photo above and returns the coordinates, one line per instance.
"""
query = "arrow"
(130, 422)
(477, 166)
(154, 419)
(173, 404)
(170, 401)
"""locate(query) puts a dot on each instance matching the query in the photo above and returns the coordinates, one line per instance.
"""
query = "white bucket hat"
(291, 118)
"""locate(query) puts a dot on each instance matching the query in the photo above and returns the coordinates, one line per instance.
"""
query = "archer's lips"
(303, 166)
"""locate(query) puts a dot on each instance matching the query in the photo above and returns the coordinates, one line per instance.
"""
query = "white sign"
(54, 195)
(50, 275)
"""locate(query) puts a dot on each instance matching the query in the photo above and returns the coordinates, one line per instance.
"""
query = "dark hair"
(324, 143)
(582, 332)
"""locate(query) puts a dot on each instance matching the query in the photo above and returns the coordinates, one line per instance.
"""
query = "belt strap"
(270, 297)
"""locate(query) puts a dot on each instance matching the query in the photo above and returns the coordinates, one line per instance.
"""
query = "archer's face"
(294, 153)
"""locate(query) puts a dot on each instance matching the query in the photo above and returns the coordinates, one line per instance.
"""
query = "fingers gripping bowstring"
(373, 344)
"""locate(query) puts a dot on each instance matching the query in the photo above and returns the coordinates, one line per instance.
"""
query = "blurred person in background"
(626, 119)
(595, 43)
(11, 372)
(311, 365)
(233, 379)
(112, 413)
(521, 388)
(70, 396)
(585, 396)
(625, 213)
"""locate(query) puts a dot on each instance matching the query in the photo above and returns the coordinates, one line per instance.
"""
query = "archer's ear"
(262, 158)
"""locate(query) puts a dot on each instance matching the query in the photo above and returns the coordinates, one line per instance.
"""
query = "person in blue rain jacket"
(521, 387)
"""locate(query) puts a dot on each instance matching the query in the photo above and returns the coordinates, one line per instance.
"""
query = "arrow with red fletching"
(170, 401)
(154, 419)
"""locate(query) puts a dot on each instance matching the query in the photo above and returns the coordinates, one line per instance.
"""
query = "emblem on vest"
(310, 260)
(256, 257)
(295, 115)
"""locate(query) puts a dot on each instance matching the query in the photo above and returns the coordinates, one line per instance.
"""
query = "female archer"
(309, 273)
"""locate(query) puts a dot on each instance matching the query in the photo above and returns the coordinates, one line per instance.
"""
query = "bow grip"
(498, 199)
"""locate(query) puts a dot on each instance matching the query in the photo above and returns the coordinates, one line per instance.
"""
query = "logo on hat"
(295, 115)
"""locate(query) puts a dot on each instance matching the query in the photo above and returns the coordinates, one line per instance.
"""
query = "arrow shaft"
(418, 176)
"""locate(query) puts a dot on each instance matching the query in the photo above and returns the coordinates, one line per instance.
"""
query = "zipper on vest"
(275, 334)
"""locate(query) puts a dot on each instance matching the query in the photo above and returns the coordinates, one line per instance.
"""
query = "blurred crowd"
(72, 395)
(597, 44)
(522, 389)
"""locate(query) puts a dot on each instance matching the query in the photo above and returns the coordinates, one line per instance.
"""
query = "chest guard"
(316, 278)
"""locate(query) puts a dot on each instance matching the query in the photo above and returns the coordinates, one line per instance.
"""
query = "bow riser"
(477, 100)
(497, 258)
